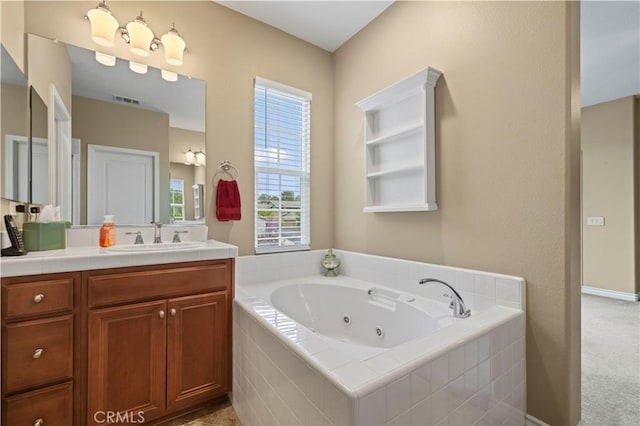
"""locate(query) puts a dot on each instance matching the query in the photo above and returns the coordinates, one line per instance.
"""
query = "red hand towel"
(227, 201)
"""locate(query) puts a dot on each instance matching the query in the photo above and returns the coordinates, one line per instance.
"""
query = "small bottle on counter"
(107, 232)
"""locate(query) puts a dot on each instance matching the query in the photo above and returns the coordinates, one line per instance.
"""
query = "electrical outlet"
(595, 221)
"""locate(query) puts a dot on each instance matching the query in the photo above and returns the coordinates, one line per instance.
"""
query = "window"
(176, 199)
(281, 153)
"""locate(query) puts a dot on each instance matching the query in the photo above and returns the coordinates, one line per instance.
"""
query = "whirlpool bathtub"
(318, 350)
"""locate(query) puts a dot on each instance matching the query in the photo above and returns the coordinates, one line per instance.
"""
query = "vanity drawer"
(53, 405)
(157, 282)
(37, 298)
(37, 352)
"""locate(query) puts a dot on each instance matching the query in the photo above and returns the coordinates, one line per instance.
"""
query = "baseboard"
(633, 297)
(529, 420)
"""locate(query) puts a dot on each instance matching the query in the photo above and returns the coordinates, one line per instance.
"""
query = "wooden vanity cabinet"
(39, 326)
(158, 338)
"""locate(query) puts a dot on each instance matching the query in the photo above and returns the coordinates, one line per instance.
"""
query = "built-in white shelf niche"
(399, 134)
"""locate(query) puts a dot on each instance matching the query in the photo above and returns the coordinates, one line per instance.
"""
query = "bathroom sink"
(156, 247)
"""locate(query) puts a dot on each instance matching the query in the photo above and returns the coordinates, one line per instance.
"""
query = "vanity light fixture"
(169, 76)
(105, 59)
(138, 67)
(199, 159)
(103, 24)
(189, 157)
(140, 36)
(173, 46)
(136, 33)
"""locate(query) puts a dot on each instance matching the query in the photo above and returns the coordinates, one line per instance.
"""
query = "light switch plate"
(595, 221)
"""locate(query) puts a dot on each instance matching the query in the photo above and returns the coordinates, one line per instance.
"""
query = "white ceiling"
(327, 24)
(610, 50)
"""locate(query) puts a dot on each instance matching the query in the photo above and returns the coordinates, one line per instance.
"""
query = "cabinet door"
(197, 349)
(127, 361)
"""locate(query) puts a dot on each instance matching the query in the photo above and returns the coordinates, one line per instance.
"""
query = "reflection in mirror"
(15, 147)
(39, 149)
(186, 193)
(121, 123)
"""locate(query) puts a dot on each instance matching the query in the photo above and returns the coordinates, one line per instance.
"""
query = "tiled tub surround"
(472, 372)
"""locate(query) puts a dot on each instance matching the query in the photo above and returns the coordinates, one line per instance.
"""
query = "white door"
(39, 171)
(16, 168)
(122, 182)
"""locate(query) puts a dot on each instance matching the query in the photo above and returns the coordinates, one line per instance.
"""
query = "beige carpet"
(610, 362)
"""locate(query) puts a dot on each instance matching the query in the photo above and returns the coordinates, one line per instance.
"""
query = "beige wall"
(608, 190)
(227, 50)
(12, 30)
(49, 63)
(186, 173)
(14, 119)
(507, 162)
(105, 123)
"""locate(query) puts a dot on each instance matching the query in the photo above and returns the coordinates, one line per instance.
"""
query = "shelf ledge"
(396, 170)
(401, 208)
(392, 137)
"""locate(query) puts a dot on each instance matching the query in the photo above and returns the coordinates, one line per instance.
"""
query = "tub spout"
(459, 308)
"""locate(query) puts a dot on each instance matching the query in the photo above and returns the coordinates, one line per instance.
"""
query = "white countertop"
(91, 257)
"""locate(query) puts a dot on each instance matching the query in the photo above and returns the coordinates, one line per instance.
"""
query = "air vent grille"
(126, 100)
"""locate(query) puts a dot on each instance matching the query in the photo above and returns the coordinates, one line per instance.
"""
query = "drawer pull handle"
(173, 312)
(38, 422)
(37, 354)
(161, 314)
(37, 299)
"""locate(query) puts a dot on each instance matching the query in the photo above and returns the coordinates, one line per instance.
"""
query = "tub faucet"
(157, 233)
(459, 308)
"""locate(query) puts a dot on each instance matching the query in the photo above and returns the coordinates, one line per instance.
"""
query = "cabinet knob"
(38, 422)
(37, 299)
(161, 314)
(37, 353)
(173, 312)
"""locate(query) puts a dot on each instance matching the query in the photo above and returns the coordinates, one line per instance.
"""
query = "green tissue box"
(44, 236)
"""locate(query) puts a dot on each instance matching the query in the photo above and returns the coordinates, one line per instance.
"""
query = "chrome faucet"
(459, 308)
(138, 237)
(157, 233)
(176, 236)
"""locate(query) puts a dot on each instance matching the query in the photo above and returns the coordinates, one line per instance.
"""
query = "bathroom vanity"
(145, 336)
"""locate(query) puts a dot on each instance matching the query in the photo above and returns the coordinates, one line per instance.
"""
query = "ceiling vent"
(126, 100)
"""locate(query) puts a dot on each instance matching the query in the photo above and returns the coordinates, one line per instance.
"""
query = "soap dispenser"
(330, 263)
(107, 232)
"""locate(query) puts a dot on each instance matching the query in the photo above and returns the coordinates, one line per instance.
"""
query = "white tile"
(448, 275)
(496, 341)
(471, 354)
(508, 289)
(298, 402)
(484, 373)
(507, 357)
(420, 383)
(372, 408)
(440, 405)
(403, 419)
(332, 358)
(482, 303)
(456, 392)
(313, 386)
(439, 373)
(421, 413)
(471, 382)
(336, 405)
(312, 417)
(484, 347)
(456, 362)
(398, 396)
(312, 345)
(496, 366)
(382, 364)
(485, 285)
(354, 374)
(465, 281)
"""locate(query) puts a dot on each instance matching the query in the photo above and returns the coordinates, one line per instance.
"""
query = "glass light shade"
(105, 59)
(103, 25)
(199, 158)
(138, 67)
(189, 157)
(169, 76)
(173, 46)
(140, 35)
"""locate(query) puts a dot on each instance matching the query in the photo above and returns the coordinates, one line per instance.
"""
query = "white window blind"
(282, 162)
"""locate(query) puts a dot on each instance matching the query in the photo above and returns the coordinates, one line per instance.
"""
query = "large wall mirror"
(130, 132)
(14, 153)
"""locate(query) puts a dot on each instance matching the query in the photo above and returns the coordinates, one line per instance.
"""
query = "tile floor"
(214, 414)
